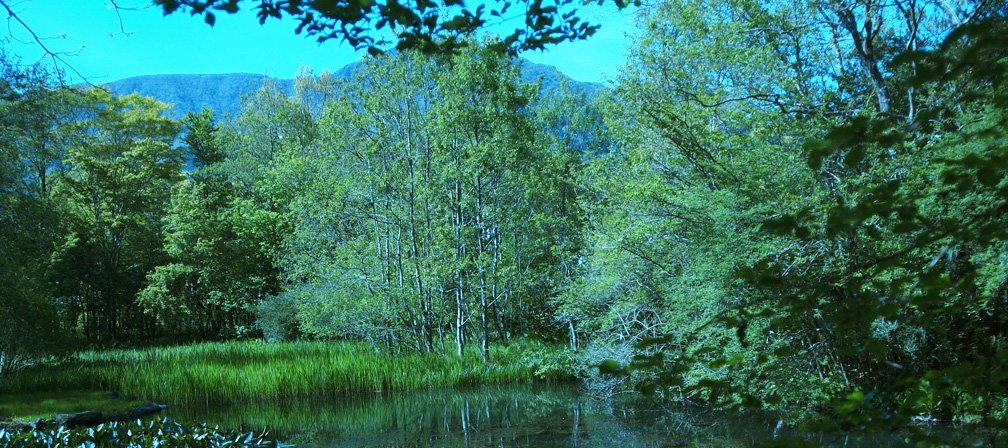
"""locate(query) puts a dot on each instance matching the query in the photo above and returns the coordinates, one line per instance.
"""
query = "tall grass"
(252, 370)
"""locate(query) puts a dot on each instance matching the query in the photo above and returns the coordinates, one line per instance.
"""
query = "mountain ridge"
(223, 92)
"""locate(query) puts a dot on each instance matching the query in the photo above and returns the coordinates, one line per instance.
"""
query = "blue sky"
(89, 33)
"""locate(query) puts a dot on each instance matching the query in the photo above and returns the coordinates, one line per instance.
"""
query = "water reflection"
(524, 416)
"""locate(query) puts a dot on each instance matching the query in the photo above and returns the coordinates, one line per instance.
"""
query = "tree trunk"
(573, 335)
(459, 254)
(864, 48)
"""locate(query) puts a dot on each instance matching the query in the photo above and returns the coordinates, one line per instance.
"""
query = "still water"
(520, 416)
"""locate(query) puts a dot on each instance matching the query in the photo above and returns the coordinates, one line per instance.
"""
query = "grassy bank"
(252, 370)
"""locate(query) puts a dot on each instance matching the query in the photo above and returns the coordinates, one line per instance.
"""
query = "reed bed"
(253, 370)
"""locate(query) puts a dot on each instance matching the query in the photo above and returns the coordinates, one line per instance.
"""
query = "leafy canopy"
(428, 25)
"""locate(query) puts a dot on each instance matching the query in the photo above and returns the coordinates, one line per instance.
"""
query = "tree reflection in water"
(516, 416)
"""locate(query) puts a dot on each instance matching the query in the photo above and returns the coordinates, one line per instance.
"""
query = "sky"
(104, 46)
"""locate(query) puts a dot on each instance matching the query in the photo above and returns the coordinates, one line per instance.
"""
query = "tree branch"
(56, 57)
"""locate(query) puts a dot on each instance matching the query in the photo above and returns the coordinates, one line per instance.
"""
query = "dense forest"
(796, 207)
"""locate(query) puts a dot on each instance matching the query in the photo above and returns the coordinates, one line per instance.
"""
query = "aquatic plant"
(138, 433)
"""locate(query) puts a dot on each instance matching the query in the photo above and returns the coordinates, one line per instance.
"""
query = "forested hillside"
(223, 93)
(790, 208)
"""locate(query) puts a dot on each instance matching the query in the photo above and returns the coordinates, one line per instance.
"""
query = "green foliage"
(916, 310)
(151, 433)
(224, 225)
(676, 208)
(432, 27)
(355, 209)
(766, 237)
(403, 230)
(276, 318)
(34, 136)
(201, 138)
(849, 272)
(220, 265)
(112, 196)
(786, 207)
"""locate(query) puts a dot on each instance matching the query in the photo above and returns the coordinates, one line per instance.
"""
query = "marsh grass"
(254, 370)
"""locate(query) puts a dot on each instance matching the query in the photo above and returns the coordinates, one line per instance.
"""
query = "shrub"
(276, 317)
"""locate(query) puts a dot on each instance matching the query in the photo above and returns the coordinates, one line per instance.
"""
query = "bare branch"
(57, 58)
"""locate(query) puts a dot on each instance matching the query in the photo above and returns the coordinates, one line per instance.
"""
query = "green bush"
(277, 318)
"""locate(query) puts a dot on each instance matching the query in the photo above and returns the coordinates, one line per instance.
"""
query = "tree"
(923, 218)
(226, 222)
(219, 269)
(271, 129)
(114, 193)
(201, 139)
(854, 253)
(362, 239)
(404, 231)
(490, 146)
(700, 157)
(31, 137)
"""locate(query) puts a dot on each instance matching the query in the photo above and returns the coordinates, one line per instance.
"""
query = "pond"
(519, 416)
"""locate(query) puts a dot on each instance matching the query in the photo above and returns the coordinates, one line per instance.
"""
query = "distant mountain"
(551, 78)
(223, 92)
(186, 93)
